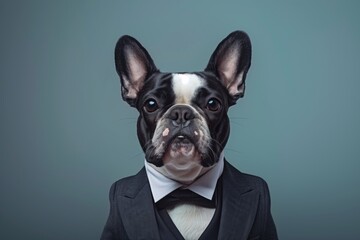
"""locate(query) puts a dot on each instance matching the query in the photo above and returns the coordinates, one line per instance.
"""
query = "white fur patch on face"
(165, 132)
(185, 86)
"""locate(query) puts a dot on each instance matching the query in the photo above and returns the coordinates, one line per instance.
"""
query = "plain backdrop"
(66, 135)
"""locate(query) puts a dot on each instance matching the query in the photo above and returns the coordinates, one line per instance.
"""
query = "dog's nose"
(181, 115)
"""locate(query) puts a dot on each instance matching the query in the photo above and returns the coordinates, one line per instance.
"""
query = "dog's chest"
(191, 220)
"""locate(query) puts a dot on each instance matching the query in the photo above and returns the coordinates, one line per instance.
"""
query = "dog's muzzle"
(181, 133)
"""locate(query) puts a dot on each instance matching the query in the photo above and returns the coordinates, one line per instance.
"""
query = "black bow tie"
(185, 196)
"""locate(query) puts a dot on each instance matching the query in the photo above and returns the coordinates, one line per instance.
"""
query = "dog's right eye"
(150, 105)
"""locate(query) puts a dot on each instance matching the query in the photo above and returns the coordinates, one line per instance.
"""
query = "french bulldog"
(183, 128)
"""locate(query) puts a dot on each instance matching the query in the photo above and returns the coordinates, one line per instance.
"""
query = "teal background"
(66, 135)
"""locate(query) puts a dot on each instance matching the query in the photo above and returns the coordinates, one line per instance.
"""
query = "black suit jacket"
(245, 208)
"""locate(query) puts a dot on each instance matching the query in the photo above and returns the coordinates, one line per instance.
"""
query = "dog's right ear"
(133, 65)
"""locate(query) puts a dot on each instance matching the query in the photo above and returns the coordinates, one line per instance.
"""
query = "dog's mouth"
(182, 160)
(181, 145)
(181, 150)
(179, 153)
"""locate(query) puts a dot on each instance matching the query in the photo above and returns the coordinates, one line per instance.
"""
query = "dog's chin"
(182, 162)
(181, 150)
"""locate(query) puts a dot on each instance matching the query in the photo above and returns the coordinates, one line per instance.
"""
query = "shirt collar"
(161, 185)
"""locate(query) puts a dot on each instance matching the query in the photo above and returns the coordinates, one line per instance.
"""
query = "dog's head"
(183, 124)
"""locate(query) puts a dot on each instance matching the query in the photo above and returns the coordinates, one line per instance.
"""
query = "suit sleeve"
(269, 229)
(109, 232)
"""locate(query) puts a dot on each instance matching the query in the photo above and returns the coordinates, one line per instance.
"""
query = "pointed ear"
(133, 65)
(231, 61)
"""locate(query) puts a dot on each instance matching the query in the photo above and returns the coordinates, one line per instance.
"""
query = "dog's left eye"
(213, 105)
(151, 105)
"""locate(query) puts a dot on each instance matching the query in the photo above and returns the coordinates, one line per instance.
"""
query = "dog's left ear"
(134, 65)
(231, 61)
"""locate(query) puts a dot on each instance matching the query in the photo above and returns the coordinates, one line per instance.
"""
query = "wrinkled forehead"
(185, 86)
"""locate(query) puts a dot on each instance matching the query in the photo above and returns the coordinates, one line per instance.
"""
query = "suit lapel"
(239, 205)
(137, 209)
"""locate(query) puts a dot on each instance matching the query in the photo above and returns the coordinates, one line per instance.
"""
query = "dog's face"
(183, 124)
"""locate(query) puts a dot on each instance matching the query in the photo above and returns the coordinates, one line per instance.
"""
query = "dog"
(183, 128)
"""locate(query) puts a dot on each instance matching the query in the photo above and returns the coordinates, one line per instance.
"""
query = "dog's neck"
(185, 175)
(205, 185)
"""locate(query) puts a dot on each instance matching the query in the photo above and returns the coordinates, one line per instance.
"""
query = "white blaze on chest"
(185, 86)
(191, 220)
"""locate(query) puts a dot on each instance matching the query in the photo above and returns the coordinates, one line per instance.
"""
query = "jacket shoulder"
(129, 186)
(246, 180)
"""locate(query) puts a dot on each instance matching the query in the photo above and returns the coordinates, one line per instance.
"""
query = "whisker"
(127, 118)
(136, 155)
(245, 118)
(236, 123)
(240, 153)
